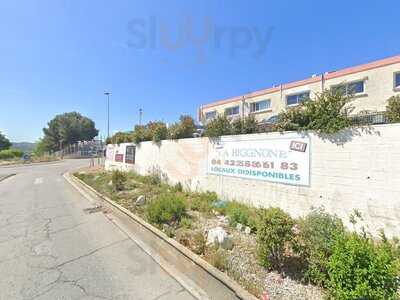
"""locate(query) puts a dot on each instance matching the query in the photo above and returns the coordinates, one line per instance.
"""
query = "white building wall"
(357, 169)
(111, 152)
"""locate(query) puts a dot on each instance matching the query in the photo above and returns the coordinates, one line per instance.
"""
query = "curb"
(240, 292)
(6, 177)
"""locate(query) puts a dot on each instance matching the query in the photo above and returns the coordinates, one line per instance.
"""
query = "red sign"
(119, 157)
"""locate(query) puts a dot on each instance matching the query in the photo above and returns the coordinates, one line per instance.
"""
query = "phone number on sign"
(256, 164)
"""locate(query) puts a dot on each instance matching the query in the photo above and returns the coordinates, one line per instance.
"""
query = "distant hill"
(24, 146)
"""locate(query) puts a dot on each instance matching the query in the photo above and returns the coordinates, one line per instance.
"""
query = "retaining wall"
(356, 169)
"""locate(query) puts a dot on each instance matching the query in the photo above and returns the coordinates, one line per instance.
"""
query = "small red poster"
(119, 157)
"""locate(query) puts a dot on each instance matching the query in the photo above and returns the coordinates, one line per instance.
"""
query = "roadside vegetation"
(4, 142)
(314, 256)
(327, 112)
(9, 155)
(393, 109)
(156, 131)
(66, 129)
(6, 152)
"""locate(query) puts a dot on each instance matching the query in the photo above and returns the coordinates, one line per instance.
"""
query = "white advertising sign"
(283, 160)
(110, 152)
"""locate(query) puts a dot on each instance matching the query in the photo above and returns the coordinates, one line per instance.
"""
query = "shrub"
(194, 240)
(218, 258)
(247, 125)
(223, 126)
(174, 131)
(120, 137)
(154, 179)
(183, 129)
(186, 223)
(166, 209)
(274, 231)
(241, 213)
(237, 126)
(118, 179)
(199, 243)
(362, 269)
(140, 134)
(203, 201)
(152, 131)
(218, 127)
(178, 187)
(317, 234)
(393, 109)
(327, 114)
(158, 131)
(11, 154)
(250, 125)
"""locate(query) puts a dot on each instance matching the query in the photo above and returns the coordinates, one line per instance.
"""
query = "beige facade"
(374, 82)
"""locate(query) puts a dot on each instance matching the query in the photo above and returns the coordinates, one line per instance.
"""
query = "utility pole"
(108, 113)
(140, 116)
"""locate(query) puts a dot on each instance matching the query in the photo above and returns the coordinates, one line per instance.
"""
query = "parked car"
(268, 124)
(199, 130)
(273, 120)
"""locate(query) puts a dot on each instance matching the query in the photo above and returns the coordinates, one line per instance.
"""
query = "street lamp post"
(140, 116)
(108, 113)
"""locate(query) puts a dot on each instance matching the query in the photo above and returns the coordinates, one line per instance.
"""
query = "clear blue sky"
(61, 55)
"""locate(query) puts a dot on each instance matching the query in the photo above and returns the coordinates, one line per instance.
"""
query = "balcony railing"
(369, 118)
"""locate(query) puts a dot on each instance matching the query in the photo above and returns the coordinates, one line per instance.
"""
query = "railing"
(360, 119)
(84, 149)
(370, 118)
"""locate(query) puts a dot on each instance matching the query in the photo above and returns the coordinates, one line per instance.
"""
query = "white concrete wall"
(110, 163)
(357, 169)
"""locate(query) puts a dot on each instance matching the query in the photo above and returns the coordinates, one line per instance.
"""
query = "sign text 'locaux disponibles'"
(282, 160)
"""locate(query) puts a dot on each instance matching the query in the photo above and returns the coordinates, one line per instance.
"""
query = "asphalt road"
(51, 248)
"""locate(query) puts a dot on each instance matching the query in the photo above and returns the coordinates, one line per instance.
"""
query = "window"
(397, 80)
(297, 98)
(260, 105)
(231, 111)
(346, 89)
(211, 115)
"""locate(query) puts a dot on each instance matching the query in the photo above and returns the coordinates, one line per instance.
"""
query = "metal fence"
(369, 118)
(360, 119)
(84, 149)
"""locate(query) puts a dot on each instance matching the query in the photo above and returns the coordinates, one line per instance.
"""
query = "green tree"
(155, 131)
(140, 134)
(66, 129)
(245, 125)
(121, 137)
(393, 109)
(4, 142)
(327, 113)
(218, 126)
(40, 148)
(158, 131)
(182, 129)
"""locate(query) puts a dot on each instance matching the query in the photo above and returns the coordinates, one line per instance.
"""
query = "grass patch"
(202, 202)
(240, 213)
(166, 209)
